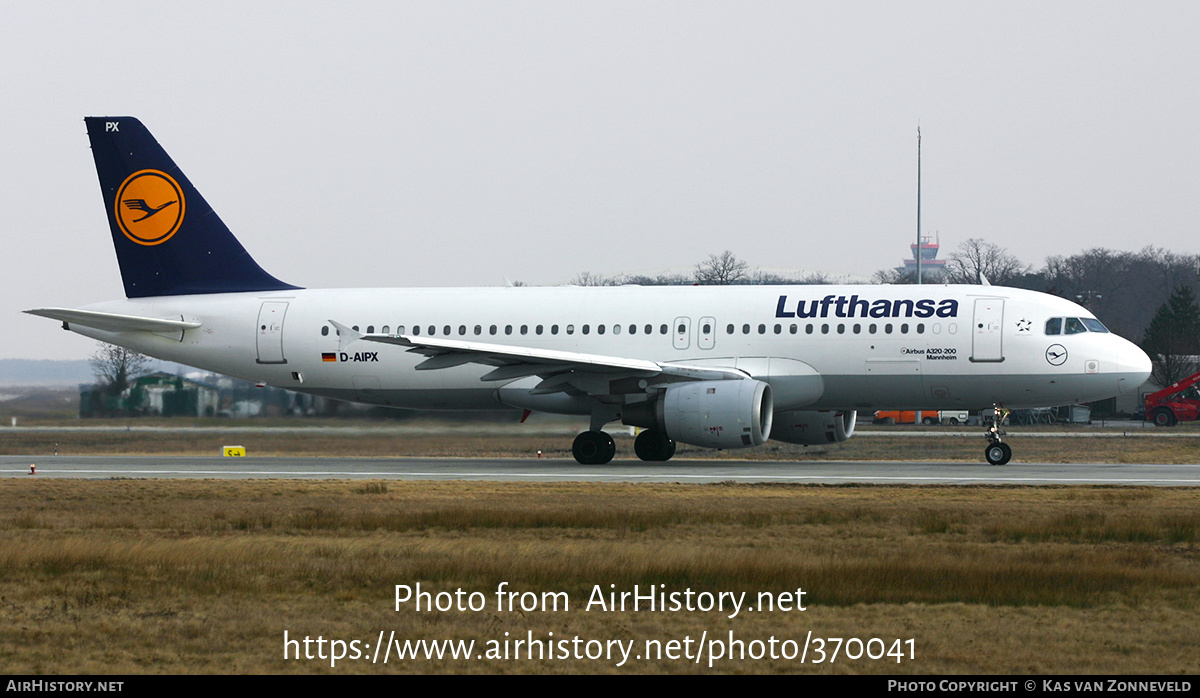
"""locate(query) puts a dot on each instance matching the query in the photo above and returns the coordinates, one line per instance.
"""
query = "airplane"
(723, 367)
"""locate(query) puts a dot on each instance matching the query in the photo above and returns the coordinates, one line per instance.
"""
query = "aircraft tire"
(998, 453)
(593, 448)
(653, 445)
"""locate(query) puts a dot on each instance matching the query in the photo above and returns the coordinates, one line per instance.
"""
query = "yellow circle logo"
(149, 207)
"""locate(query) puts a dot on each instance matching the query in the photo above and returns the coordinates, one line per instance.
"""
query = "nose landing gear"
(997, 452)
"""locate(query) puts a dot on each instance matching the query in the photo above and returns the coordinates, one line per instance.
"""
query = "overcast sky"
(456, 144)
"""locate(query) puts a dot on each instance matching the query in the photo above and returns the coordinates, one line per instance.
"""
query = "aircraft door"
(681, 332)
(706, 333)
(270, 332)
(987, 331)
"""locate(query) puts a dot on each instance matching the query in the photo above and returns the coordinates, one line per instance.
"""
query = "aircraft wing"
(113, 322)
(560, 370)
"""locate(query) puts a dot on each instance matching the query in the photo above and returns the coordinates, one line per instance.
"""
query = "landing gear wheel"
(1163, 417)
(594, 448)
(998, 453)
(653, 445)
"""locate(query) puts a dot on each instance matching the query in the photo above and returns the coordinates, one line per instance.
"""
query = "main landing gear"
(997, 452)
(653, 445)
(594, 448)
(597, 448)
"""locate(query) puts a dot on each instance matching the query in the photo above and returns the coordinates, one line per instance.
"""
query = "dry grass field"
(138, 576)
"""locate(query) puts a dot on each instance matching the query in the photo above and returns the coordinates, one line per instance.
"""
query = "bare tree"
(894, 276)
(115, 367)
(587, 278)
(976, 259)
(721, 270)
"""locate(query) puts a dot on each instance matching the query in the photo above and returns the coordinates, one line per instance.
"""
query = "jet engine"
(715, 414)
(812, 428)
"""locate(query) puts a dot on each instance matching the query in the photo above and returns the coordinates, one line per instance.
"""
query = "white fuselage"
(820, 347)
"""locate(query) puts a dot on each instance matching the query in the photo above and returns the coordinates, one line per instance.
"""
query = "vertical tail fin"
(168, 239)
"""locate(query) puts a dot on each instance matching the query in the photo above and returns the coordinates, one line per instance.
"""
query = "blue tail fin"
(169, 241)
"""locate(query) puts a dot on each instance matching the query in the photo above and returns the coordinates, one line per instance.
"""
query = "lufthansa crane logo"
(149, 207)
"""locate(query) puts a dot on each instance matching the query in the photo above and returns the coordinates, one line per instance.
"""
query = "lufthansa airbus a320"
(715, 366)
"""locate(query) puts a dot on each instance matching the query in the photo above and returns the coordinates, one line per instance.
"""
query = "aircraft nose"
(1134, 368)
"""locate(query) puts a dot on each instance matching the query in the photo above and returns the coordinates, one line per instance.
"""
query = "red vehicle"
(1178, 402)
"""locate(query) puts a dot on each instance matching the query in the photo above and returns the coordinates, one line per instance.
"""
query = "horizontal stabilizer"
(112, 322)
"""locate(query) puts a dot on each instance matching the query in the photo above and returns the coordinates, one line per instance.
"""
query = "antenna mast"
(919, 250)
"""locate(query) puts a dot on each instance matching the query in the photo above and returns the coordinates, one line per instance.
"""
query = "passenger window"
(662, 329)
(633, 329)
(478, 330)
(570, 329)
(446, 330)
(841, 328)
(762, 329)
(599, 329)
(824, 329)
(538, 329)
(554, 329)
(370, 329)
(508, 329)
(1074, 326)
(649, 329)
(325, 330)
(400, 329)
(462, 330)
(416, 330)
(920, 328)
(873, 328)
(745, 329)
(432, 330)
(887, 329)
(492, 329)
(524, 329)
(808, 329)
(1054, 325)
(778, 328)
(857, 328)
(904, 328)
(729, 329)
(587, 329)
(616, 329)
(385, 329)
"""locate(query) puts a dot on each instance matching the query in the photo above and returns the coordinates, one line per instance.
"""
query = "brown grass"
(205, 576)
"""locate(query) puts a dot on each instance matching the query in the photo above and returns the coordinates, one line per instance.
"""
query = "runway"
(536, 470)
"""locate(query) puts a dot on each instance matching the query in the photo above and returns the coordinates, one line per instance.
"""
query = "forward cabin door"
(987, 341)
(270, 332)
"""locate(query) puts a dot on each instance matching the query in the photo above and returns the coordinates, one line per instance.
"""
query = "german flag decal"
(328, 356)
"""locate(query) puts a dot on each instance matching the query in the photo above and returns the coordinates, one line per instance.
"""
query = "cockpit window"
(1074, 326)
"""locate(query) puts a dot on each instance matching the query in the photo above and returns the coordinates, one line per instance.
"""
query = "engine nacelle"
(716, 414)
(813, 428)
